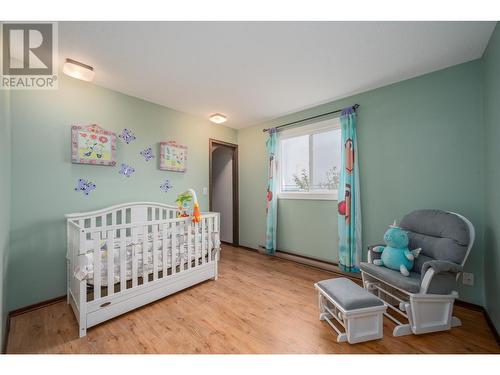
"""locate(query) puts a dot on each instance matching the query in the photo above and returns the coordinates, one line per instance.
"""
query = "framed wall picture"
(173, 157)
(92, 144)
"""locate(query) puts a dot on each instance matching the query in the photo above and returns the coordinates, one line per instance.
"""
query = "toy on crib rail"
(183, 201)
(396, 254)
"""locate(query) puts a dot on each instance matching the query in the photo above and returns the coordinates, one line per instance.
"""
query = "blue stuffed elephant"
(396, 254)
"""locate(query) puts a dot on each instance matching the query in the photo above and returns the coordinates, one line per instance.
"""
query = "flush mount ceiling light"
(218, 118)
(78, 70)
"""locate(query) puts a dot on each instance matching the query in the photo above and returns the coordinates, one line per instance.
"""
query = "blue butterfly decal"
(147, 153)
(85, 186)
(166, 186)
(127, 136)
(126, 170)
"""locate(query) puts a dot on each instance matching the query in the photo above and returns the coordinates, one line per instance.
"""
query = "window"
(309, 166)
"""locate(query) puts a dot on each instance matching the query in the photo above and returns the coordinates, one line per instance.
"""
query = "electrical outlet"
(468, 278)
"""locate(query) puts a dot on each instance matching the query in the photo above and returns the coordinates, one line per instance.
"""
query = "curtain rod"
(355, 106)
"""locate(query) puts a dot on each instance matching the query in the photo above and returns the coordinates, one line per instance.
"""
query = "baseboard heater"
(308, 261)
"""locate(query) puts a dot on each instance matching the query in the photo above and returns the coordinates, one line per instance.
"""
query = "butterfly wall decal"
(147, 153)
(126, 170)
(127, 135)
(166, 186)
(85, 186)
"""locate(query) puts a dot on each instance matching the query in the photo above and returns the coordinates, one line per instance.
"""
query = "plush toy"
(396, 254)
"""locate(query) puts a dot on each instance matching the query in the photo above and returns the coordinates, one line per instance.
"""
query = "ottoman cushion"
(348, 294)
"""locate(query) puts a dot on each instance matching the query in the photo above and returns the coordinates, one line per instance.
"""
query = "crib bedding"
(85, 268)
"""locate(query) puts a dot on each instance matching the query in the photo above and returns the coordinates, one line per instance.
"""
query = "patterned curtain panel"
(349, 206)
(271, 195)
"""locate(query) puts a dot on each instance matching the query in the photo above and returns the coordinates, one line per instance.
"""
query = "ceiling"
(256, 71)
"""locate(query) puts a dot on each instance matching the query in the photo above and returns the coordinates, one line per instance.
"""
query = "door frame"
(236, 206)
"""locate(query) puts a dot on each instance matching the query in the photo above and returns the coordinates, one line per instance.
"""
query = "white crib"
(125, 256)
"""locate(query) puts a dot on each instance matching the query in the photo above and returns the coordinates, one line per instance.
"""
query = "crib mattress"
(143, 252)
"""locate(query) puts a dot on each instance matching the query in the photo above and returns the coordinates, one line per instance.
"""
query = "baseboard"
(5, 335)
(24, 310)
(320, 264)
(308, 261)
(469, 305)
(230, 243)
(36, 306)
(248, 248)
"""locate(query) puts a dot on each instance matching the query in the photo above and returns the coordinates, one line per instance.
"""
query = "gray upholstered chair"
(426, 297)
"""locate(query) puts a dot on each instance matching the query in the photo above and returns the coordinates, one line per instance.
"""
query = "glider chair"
(425, 298)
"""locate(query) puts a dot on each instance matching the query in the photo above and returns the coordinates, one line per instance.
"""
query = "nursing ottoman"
(359, 312)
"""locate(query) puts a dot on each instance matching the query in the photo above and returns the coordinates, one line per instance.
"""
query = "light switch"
(205, 191)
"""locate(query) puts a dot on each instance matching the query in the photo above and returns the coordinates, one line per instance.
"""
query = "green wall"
(43, 177)
(5, 173)
(491, 79)
(421, 146)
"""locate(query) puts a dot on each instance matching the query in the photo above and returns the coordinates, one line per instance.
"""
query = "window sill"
(309, 196)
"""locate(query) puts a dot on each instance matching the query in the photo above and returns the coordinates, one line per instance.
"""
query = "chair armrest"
(438, 268)
(372, 255)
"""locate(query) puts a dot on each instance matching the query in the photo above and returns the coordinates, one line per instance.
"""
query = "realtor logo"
(29, 53)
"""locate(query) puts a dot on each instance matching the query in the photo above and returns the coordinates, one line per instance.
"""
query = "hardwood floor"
(259, 305)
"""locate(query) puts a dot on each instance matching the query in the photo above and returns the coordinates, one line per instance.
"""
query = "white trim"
(118, 206)
(333, 196)
(472, 238)
(311, 129)
(314, 128)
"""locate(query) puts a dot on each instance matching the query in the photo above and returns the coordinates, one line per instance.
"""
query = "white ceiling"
(255, 71)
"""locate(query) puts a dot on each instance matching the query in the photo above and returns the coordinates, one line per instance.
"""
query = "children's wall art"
(173, 157)
(147, 154)
(127, 136)
(85, 186)
(93, 145)
(126, 170)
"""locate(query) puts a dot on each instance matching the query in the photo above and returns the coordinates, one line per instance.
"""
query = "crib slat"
(203, 241)
(173, 263)
(110, 245)
(155, 252)
(164, 247)
(196, 244)
(145, 275)
(210, 224)
(97, 266)
(135, 255)
(189, 242)
(123, 259)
